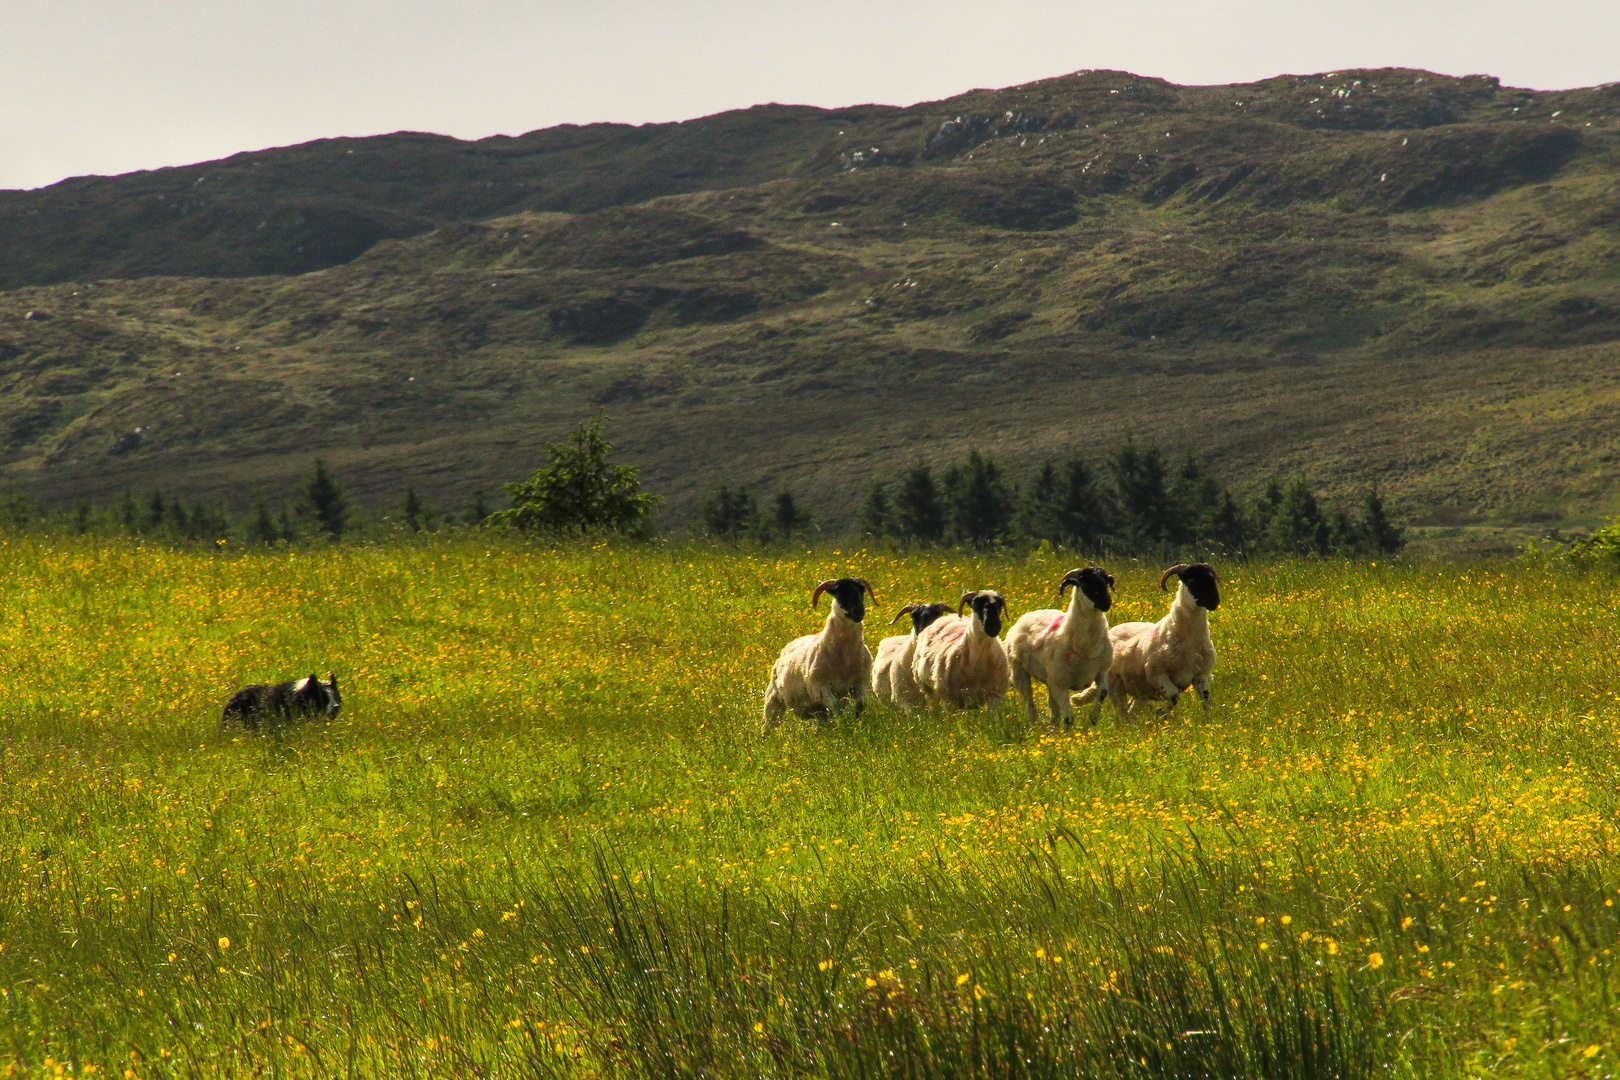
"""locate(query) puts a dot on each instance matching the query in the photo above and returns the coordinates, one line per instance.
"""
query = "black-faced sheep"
(814, 672)
(1157, 661)
(284, 701)
(892, 680)
(959, 660)
(1066, 650)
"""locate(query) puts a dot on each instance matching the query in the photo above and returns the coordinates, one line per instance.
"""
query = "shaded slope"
(294, 209)
(1437, 307)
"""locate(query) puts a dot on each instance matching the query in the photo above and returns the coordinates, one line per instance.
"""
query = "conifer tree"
(1148, 511)
(732, 513)
(325, 501)
(981, 504)
(1266, 508)
(1298, 527)
(789, 517)
(919, 513)
(1196, 497)
(1381, 534)
(412, 510)
(877, 515)
(263, 529)
(478, 509)
(1068, 505)
(1227, 526)
(581, 490)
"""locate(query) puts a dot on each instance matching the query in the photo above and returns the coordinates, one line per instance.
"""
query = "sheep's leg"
(775, 707)
(1122, 706)
(1102, 696)
(1021, 683)
(1202, 686)
(1168, 690)
(860, 700)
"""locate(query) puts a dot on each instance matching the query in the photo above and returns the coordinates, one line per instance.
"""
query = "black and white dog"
(285, 701)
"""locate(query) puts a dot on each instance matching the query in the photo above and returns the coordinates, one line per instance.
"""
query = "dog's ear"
(314, 679)
(331, 680)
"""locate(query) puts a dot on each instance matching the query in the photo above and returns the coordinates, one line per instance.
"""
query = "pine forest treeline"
(1134, 501)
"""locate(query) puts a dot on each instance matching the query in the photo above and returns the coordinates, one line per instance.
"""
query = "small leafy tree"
(581, 491)
(325, 501)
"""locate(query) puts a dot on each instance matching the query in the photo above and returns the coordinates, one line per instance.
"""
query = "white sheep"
(1065, 650)
(1157, 661)
(892, 680)
(960, 661)
(816, 671)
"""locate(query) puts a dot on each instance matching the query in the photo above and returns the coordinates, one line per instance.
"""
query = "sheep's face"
(1094, 583)
(1204, 585)
(925, 615)
(988, 607)
(849, 598)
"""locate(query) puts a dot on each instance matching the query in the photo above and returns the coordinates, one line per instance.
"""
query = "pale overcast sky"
(107, 86)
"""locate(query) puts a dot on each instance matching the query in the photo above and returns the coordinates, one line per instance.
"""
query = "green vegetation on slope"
(546, 835)
(1373, 275)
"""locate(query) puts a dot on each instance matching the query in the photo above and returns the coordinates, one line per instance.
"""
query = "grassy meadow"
(546, 836)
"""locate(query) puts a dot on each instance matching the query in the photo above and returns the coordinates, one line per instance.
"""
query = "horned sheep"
(892, 680)
(1065, 650)
(816, 671)
(1158, 661)
(960, 660)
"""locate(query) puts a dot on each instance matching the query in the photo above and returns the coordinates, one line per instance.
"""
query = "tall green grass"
(546, 837)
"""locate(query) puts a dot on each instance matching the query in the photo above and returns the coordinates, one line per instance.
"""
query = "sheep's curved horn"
(967, 597)
(1176, 570)
(907, 610)
(1071, 578)
(867, 587)
(823, 587)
